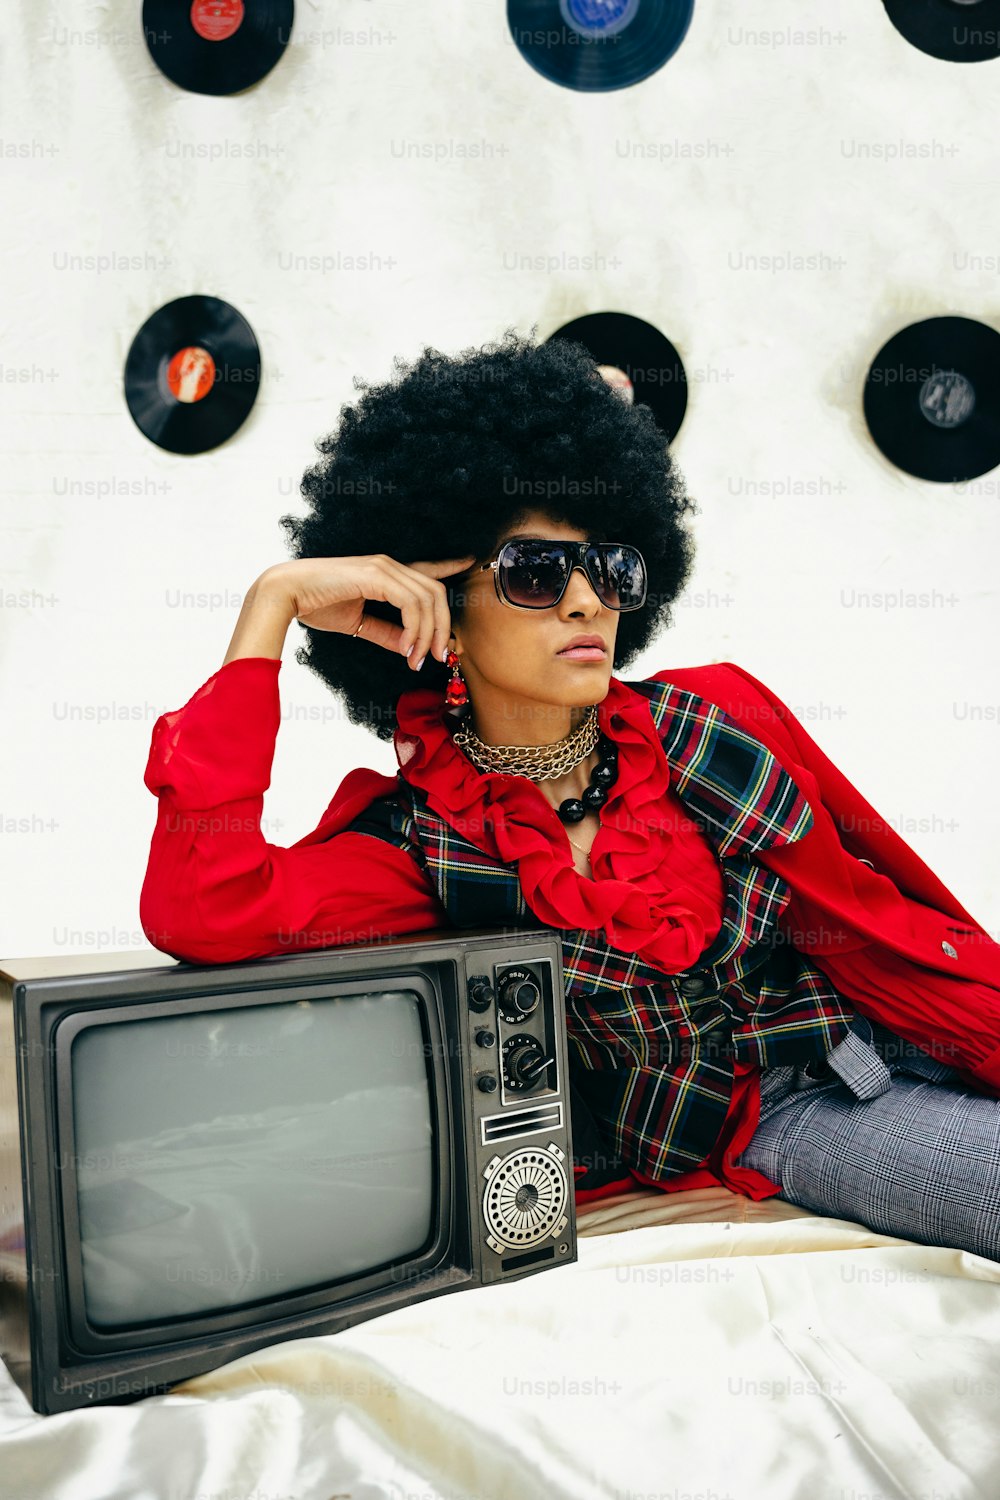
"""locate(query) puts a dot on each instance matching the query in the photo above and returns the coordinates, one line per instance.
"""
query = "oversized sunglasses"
(533, 574)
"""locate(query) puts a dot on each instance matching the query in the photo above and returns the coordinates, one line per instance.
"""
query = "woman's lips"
(584, 653)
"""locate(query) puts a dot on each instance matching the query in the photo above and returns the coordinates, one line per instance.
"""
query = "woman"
(749, 1000)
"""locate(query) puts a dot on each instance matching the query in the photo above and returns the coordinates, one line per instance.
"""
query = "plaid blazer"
(651, 1053)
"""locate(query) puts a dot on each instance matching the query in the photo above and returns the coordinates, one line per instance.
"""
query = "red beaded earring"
(456, 695)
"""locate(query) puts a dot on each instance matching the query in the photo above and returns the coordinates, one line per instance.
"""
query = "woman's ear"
(455, 612)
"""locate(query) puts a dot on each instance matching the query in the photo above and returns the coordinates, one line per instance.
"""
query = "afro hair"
(446, 459)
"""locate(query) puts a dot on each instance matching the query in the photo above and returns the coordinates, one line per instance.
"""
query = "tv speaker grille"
(526, 1195)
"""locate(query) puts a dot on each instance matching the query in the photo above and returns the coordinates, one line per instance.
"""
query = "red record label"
(191, 373)
(217, 20)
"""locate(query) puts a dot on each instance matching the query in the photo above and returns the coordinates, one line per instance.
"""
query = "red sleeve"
(215, 891)
(870, 832)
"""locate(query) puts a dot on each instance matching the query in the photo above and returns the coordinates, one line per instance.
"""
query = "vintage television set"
(198, 1160)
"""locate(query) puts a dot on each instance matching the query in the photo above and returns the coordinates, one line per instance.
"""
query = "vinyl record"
(640, 352)
(954, 30)
(596, 45)
(192, 374)
(932, 399)
(217, 46)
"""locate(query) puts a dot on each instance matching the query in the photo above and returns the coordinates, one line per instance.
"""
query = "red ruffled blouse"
(657, 888)
(216, 891)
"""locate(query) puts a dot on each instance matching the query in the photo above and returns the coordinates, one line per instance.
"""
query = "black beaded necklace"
(602, 778)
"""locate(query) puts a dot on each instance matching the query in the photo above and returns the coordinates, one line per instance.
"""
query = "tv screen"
(241, 1154)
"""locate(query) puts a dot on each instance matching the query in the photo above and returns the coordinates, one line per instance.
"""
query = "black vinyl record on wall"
(216, 46)
(961, 31)
(192, 374)
(638, 360)
(596, 45)
(932, 399)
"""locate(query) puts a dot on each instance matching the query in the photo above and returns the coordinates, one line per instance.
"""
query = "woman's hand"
(329, 593)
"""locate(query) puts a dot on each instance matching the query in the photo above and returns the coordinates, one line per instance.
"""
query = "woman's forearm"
(263, 621)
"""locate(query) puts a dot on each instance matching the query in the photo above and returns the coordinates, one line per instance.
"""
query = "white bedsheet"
(702, 1347)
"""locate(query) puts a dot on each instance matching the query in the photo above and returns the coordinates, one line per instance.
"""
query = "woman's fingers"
(427, 626)
(411, 594)
(441, 626)
(417, 592)
(397, 585)
(381, 632)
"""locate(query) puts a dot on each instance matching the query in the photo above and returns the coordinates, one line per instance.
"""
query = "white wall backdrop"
(778, 202)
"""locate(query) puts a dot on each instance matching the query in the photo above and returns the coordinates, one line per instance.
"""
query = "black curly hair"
(444, 461)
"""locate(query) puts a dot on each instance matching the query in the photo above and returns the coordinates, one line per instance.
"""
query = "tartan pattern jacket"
(652, 1053)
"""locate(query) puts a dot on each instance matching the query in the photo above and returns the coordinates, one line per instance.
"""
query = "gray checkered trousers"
(886, 1136)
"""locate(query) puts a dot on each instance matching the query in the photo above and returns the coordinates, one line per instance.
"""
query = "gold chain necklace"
(537, 762)
(577, 846)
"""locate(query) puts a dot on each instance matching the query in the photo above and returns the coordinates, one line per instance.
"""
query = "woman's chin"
(579, 689)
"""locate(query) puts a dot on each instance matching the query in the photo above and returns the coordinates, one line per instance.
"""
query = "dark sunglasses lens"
(533, 573)
(622, 573)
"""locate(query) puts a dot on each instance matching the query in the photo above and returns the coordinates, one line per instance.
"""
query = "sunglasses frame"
(577, 552)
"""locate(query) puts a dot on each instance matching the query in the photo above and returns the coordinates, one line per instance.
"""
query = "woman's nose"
(579, 589)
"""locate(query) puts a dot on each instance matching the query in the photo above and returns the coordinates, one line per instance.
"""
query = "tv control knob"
(485, 1039)
(519, 995)
(486, 1082)
(526, 1064)
(480, 993)
(525, 998)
